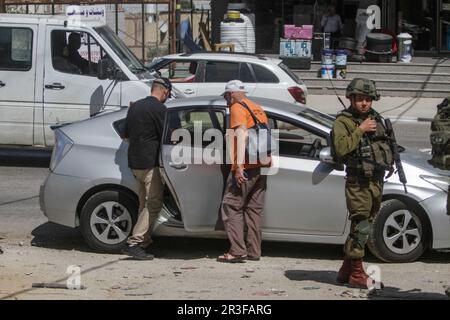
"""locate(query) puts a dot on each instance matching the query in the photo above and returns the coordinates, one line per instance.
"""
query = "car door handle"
(189, 91)
(178, 166)
(54, 86)
(2, 84)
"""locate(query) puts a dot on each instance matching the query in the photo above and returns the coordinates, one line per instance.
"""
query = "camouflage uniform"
(440, 142)
(367, 156)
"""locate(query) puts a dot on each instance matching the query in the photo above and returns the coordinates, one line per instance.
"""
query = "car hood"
(421, 160)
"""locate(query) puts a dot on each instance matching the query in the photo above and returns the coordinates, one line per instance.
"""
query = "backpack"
(440, 136)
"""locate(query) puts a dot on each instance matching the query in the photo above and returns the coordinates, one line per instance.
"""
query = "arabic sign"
(83, 13)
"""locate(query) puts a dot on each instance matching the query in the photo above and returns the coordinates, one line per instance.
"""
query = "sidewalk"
(396, 108)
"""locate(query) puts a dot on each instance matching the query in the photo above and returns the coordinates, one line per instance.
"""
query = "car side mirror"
(105, 69)
(325, 156)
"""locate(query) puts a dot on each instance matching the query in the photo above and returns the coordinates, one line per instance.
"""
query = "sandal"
(228, 258)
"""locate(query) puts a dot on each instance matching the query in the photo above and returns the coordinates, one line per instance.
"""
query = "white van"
(53, 72)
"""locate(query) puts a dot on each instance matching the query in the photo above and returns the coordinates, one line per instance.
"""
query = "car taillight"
(62, 146)
(298, 94)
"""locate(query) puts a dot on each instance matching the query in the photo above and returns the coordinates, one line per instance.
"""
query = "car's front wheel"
(107, 219)
(399, 233)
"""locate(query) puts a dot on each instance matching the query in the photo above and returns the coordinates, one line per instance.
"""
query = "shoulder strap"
(255, 119)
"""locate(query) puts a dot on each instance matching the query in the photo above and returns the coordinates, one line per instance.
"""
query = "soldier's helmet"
(363, 86)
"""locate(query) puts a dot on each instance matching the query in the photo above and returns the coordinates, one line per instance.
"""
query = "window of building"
(16, 48)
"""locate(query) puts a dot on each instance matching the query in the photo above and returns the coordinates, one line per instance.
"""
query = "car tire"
(107, 219)
(390, 240)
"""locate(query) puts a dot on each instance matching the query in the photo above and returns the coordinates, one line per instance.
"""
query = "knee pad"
(362, 231)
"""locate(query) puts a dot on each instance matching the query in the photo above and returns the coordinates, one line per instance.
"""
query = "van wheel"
(107, 219)
(399, 234)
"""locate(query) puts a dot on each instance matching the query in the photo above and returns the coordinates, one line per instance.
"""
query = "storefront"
(428, 21)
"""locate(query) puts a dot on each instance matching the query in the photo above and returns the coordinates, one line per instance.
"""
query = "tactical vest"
(440, 136)
(374, 155)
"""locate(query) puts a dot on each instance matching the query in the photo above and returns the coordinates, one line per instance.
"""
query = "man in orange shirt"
(243, 200)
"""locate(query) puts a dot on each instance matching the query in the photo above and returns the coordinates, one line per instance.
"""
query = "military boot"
(358, 277)
(344, 272)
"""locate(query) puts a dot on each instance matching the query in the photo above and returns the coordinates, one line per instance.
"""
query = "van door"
(72, 90)
(17, 83)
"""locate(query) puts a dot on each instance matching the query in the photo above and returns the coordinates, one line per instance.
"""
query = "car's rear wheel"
(399, 233)
(107, 219)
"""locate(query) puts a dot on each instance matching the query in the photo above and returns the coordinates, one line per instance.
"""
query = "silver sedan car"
(90, 185)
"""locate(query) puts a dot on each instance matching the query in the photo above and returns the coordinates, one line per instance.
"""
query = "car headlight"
(62, 146)
(440, 182)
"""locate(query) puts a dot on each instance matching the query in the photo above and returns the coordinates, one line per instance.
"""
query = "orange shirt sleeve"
(238, 116)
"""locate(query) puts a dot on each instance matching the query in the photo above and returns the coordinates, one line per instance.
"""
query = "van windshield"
(125, 54)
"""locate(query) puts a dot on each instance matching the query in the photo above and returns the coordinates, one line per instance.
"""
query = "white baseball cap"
(234, 86)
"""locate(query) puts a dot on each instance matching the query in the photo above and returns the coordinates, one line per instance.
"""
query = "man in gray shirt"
(332, 23)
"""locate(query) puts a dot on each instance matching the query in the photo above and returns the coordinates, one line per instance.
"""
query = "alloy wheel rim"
(111, 222)
(402, 232)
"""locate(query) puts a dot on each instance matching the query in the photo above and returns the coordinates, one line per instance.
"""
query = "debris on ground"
(277, 292)
(138, 294)
(177, 273)
(248, 270)
(21, 244)
(188, 268)
(261, 294)
(311, 288)
(245, 276)
(1, 250)
(50, 285)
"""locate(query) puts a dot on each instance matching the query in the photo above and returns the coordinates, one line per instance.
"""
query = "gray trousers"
(244, 206)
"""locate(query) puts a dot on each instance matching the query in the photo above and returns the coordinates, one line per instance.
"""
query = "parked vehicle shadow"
(54, 236)
(388, 293)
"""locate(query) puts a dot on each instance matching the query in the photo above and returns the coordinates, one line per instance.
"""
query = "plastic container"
(404, 53)
(341, 59)
(327, 57)
(234, 31)
(341, 74)
(327, 71)
(233, 14)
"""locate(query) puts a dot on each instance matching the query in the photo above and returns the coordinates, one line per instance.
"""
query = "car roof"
(50, 19)
(225, 56)
(220, 101)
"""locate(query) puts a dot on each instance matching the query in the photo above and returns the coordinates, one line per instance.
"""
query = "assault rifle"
(395, 153)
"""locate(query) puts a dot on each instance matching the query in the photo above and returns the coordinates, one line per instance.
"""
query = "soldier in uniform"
(440, 143)
(359, 141)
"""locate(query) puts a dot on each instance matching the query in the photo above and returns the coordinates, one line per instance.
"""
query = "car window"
(16, 48)
(75, 52)
(221, 71)
(264, 75)
(296, 141)
(290, 73)
(180, 71)
(245, 74)
(191, 120)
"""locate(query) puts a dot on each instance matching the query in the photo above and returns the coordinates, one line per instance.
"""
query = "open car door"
(196, 186)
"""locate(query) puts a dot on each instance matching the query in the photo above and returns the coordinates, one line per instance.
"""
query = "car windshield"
(125, 54)
(317, 117)
(291, 74)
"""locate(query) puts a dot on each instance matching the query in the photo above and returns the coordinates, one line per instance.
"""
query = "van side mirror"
(325, 156)
(105, 69)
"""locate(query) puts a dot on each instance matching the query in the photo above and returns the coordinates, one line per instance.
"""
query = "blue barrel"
(341, 59)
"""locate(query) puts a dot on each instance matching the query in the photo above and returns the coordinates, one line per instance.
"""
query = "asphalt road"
(38, 251)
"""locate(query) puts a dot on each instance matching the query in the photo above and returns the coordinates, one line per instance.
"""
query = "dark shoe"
(447, 291)
(344, 272)
(228, 258)
(137, 253)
